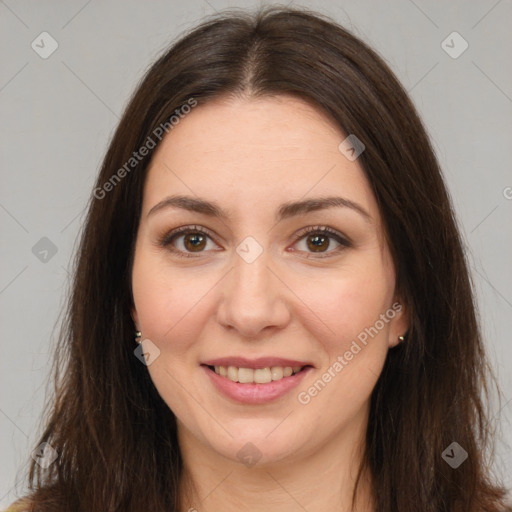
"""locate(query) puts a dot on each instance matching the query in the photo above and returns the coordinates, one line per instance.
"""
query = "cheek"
(347, 303)
(170, 303)
(354, 350)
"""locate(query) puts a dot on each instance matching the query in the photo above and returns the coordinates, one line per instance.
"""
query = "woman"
(271, 306)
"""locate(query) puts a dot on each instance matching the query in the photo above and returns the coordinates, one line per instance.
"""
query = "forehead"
(255, 152)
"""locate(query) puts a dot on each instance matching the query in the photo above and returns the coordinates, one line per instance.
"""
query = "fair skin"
(250, 156)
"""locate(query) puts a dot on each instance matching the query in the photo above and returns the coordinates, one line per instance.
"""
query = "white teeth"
(276, 372)
(258, 376)
(262, 375)
(245, 375)
(232, 373)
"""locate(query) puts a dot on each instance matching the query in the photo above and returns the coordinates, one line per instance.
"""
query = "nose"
(254, 298)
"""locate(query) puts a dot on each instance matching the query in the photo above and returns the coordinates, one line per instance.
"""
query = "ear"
(400, 323)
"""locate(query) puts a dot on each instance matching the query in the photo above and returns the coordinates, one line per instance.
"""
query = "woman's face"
(252, 284)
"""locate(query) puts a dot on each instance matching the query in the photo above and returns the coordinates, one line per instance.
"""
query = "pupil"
(317, 241)
(195, 241)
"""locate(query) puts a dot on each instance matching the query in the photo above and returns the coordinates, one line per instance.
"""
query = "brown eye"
(319, 239)
(194, 242)
(187, 240)
(318, 243)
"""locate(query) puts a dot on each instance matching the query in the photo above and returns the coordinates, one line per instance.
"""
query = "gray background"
(58, 114)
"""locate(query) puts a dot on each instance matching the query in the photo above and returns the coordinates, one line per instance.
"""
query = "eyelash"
(167, 239)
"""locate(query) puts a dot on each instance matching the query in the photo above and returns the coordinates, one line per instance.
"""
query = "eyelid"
(167, 238)
(341, 239)
(324, 230)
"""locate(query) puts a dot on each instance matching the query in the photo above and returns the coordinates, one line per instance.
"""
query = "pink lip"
(255, 394)
(261, 362)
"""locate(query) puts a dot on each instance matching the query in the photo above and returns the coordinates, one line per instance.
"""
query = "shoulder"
(21, 505)
(508, 501)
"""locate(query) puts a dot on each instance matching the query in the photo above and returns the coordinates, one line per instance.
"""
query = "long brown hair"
(114, 435)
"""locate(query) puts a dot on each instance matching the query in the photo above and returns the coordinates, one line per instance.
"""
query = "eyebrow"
(285, 211)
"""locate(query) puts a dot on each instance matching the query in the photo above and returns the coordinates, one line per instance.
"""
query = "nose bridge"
(251, 274)
(253, 297)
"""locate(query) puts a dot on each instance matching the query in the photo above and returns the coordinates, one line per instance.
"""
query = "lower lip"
(255, 393)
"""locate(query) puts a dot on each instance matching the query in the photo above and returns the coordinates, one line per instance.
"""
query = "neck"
(321, 479)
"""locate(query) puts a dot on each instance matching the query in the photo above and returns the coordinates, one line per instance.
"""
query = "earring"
(138, 337)
(401, 338)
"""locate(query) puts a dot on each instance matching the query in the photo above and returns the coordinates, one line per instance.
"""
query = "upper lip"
(260, 362)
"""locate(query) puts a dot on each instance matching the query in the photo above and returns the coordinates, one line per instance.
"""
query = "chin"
(259, 450)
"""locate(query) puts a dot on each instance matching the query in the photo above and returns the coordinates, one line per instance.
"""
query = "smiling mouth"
(257, 376)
